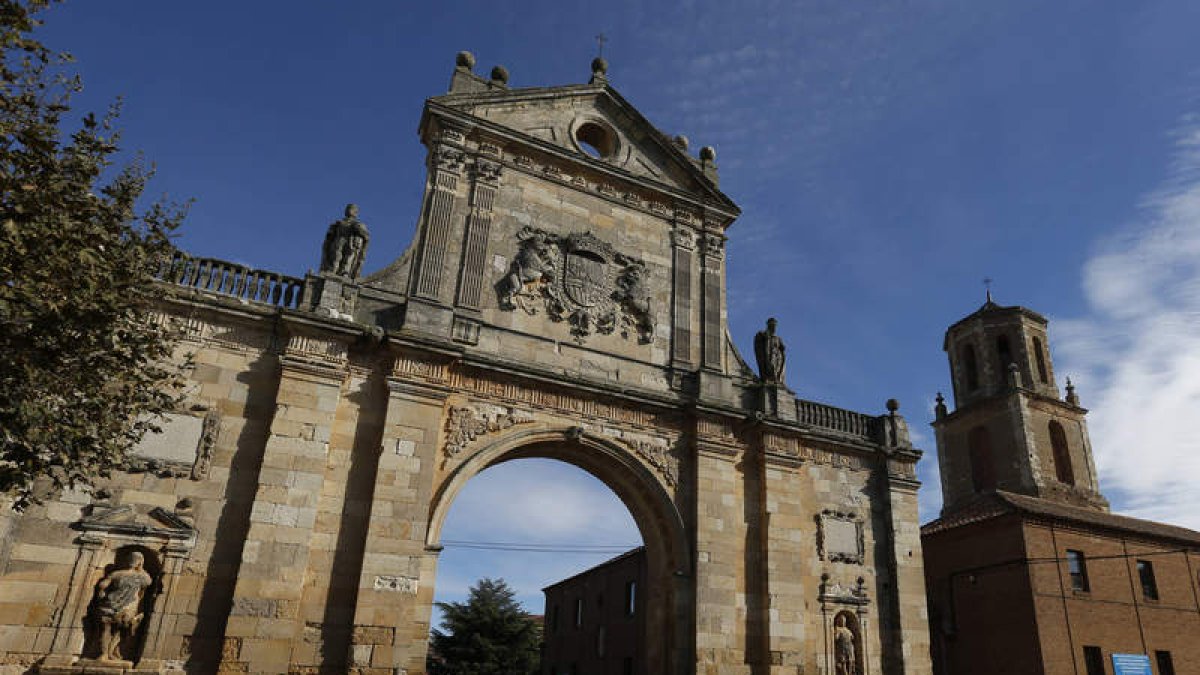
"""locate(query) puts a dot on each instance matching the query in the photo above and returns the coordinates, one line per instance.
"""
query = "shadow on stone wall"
(207, 643)
(341, 599)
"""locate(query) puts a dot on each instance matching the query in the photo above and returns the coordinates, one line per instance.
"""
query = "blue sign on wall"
(1131, 664)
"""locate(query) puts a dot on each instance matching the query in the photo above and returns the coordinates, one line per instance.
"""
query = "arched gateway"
(564, 297)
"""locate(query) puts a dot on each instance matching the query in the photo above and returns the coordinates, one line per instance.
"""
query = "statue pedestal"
(776, 400)
(331, 295)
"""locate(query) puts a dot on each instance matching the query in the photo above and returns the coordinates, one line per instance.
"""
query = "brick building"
(1027, 570)
(594, 621)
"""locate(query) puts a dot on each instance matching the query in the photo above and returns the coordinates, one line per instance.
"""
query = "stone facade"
(564, 297)
(1027, 570)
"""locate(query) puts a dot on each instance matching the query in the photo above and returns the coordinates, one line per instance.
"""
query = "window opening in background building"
(1004, 354)
(971, 366)
(1165, 665)
(1077, 568)
(1041, 361)
(578, 612)
(1146, 575)
(1062, 454)
(1093, 660)
(983, 470)
(630, 598)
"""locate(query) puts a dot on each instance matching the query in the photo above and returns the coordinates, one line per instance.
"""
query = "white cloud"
(1136, 357)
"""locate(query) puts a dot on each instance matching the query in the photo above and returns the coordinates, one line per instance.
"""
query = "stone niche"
(114, 615)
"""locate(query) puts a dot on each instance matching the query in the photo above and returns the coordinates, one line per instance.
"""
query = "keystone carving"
(581, 280)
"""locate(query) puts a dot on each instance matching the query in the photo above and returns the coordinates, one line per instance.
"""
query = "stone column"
(486, 177)
(439, 245)
(265, 618)
(906, 649)
(713, 284)
(396, 584)
(683, 241)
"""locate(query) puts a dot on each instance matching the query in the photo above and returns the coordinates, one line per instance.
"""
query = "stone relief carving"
(834, 592)
(466, 423)
(118, 609)
(840, 537)
(209, 432)
(396, 584)
(581, 280)
(660, 457)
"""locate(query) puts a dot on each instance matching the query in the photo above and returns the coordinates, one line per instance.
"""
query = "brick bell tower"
(1010, 430)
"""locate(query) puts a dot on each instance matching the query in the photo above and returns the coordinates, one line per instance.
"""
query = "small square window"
(1077, 568)
(1146, 575)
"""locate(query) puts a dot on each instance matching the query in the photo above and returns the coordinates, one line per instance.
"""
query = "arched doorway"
(669, 594)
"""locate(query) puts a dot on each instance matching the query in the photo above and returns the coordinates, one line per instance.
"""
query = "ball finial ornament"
(500, 74)
(681, 141)
(892, 405)
(465, 59)
(599, 66)
(708, 153)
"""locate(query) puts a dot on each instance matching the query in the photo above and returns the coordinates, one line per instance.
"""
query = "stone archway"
(668, 553)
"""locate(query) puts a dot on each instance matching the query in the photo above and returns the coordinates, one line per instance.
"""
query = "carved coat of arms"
(581, 280)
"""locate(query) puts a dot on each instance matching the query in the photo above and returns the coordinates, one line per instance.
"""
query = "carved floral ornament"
(581, 280)
(466, 423)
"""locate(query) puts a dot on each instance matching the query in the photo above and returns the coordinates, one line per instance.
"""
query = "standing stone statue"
(119, 599)
(345, 245)
(844, 648)
(769, 351)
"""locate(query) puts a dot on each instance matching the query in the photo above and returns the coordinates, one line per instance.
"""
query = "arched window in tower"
(1062, 454)
(983, 469)
(1004, 355)
(1041, 361)
(970, 367)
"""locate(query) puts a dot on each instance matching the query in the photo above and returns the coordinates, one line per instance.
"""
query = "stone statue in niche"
(345, 245)
(581, 280)
(845, 645)
(769, 352)
(534, 263)
(118, 607)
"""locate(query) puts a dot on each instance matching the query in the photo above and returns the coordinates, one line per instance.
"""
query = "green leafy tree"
(489, 634)
(84, 371)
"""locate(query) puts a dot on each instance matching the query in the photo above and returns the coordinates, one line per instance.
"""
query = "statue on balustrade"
(345, 245)
(769, 352)
(118, 606)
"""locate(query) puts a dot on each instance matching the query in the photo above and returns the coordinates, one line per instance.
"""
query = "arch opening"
(983, 468)
(662, 588)
(1062, 454)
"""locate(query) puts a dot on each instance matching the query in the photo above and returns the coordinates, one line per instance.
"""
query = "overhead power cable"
(538, 548)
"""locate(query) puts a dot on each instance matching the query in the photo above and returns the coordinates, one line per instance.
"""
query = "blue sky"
(887, 156)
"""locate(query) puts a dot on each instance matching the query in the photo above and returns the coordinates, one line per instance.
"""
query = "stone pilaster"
(906, 650)
(786, 555)
(396, 584)
(486, 177)
(683, 241)
(265, 618)
(435, 252)
(713, 283)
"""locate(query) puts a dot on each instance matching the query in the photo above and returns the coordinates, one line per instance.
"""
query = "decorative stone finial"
(465, 59)
(708, 154)
(1071, 397)
(500, 74)
(682, 142)
(599, 66)
(892, 405)
(939, 410)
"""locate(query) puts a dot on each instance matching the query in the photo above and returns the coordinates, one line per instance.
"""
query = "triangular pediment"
(568, 117)
(129, 519)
